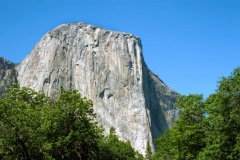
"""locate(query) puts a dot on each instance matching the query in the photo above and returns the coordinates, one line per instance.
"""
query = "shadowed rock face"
(108, 68)
(8, 76)
(160, 101)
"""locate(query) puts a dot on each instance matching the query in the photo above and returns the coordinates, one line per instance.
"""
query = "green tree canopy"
(112, 148)
(223, 108)
(186, 138)
(34, 126)
(207, 129)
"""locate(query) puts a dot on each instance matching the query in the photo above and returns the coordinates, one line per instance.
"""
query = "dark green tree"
(35, 127)
(113, 149)
(207, 129)
(73, 134)
(186, 138)
(20, 124)
(223, 134)
(149, 152)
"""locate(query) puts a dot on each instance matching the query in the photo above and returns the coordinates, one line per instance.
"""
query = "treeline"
(208, 129)
(35, 127)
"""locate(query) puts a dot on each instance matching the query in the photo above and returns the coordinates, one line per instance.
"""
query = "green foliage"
(186, 138)
(113, 149)
(73, 134)
(112, 130)
(149, 152)
(20, 131)
(36, 127)
(207, 129)
(224, 119)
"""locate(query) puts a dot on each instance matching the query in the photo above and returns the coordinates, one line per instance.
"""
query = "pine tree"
(149, 152)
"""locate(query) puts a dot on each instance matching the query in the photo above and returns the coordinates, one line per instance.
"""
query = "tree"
(223, 136)
(74, 134)
(112, 148)
(149, 152)
(20, 124)
(207, 129)
(186, 138)
(35, 127)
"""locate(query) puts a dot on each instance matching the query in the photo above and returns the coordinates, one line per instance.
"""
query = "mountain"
(8, 76)
(107, 67)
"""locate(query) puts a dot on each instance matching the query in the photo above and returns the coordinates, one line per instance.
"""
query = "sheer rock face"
(8, 76)
(108, 68)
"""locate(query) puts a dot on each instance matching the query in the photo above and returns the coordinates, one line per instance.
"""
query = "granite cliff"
(107, 67)
(8, 76)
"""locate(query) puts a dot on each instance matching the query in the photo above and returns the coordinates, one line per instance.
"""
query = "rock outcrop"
(108, 68)
(8, 76)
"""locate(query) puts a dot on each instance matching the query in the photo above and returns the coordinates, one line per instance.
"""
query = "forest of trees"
(208, 129)
(34, 126)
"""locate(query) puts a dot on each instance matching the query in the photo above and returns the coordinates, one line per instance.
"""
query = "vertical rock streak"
(107, 67)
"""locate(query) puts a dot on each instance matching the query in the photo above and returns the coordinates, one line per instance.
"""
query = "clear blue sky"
(188, 43)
